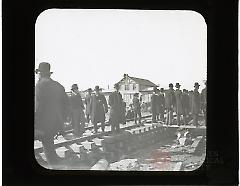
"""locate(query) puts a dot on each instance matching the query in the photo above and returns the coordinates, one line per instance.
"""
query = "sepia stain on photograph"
(121, 90)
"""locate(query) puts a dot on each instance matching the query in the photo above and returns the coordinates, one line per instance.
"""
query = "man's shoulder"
(56, 83)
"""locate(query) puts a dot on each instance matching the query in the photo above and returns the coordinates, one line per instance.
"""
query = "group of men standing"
(96, 108)
(184, 103)
(53, 107)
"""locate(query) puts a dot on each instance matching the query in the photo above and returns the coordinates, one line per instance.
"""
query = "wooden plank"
(195, 144)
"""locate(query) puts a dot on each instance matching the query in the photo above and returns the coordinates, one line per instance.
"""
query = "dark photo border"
(19, 165)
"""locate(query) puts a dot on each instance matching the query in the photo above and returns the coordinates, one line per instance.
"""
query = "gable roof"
(141, 81)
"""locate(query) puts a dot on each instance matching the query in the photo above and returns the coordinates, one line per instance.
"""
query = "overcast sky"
(96, 47)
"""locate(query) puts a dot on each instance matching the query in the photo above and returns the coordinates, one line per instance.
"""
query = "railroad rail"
(89, 138)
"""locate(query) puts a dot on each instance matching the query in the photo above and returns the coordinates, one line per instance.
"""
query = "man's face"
(75, 90)
(38, 74)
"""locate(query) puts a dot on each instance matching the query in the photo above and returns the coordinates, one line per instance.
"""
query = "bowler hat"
(89, 90)
(74, 86)
(43, 67)
(177, 85)
(97, 88)
(170, 85)
(196, 84)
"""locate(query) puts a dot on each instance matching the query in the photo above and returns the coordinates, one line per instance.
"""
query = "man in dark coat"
(123, 112)
(185, 101)
(204, 99)
(51, 103)
(154, 105)
(87, 102)
(169, 103)
(130, 112)
(115, 102)
(195, 104)
(98, 108)
(179, 104)
(161, 104)
(190, 93)
(137, 109)
(78, 116)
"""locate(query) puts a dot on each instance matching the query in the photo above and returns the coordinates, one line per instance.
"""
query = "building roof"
(143, 81)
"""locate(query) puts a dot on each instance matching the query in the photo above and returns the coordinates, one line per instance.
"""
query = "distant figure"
(87, 102)
(123, 112)
(78, 117)
(154, 105)
(161, 104)
(169, 103)
(195, 104)
(130, 112)
(185, 102)
(137, 109)
(179, 104)
(98, 108)
(190, 93)
(204, 100)
(115, 102)
(51, 103)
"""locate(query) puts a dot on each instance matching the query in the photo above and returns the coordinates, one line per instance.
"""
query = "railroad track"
(66, 143)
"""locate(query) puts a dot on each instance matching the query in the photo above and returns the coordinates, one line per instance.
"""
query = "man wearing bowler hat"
(161, 105)
(154, 105)
(186, 102)
(115, 102)
(137, 108)
(87, 102)
(204, 99)
(98, 108)
(78, 117)
(169, 103)
(179, 104)
(195, 101)
(51, 103)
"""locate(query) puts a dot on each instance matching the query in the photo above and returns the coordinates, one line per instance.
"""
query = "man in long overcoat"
(195, 104)
(161, 104)
(137, 109)
(154, 105)
(87, 102)
(123, 112)
(98, 108)
(115, 102)
(51, 103)
(169, 103)
(78, 116)
(179, 104)
(185, 101)
(204, 100)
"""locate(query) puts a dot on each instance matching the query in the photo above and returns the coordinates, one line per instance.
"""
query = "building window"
(134, 87)
(126, 87)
